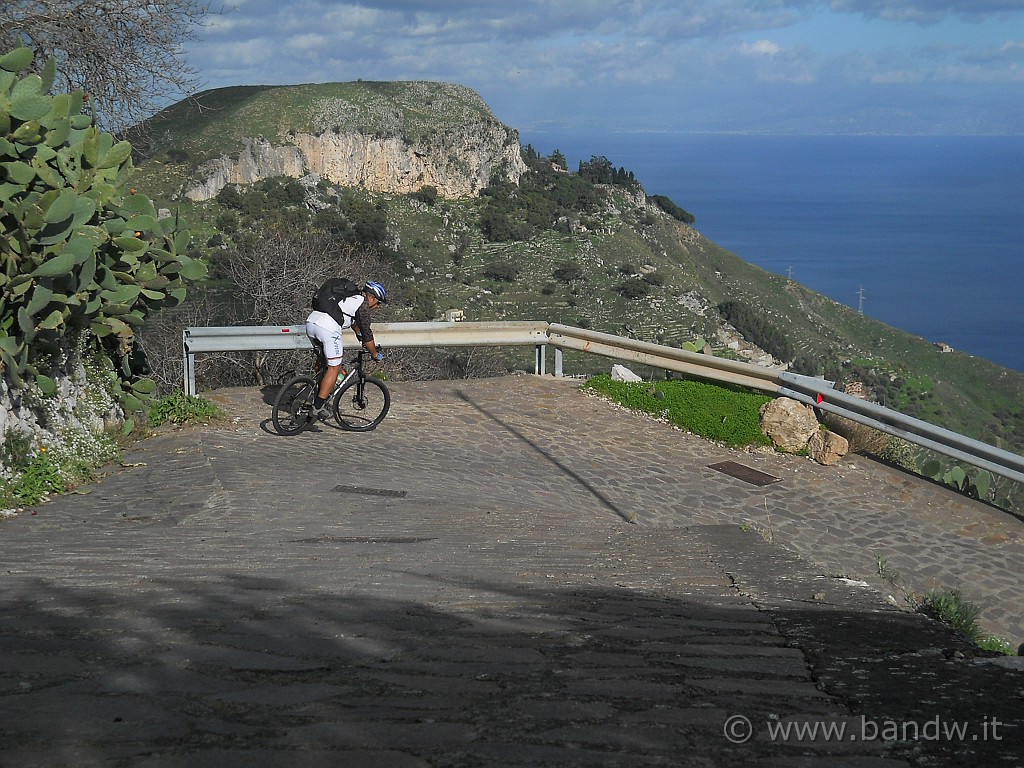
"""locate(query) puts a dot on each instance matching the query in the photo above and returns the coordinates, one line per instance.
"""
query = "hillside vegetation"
(584, 247)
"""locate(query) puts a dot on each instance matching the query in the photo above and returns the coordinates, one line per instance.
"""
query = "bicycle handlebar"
(364, 351)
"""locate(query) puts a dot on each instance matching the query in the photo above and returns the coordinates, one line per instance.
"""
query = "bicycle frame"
(356, 365)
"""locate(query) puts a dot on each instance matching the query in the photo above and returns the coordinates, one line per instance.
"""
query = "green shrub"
(633, 288)
(568, 271)
(40, 478)
(654, 278)
(729, 415)
(425, 194)
(502, 271)
(951, 608)
(180, 408)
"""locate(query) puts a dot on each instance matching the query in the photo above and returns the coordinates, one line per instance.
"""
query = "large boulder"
(827, 447)
(789, 423)
(622, 373)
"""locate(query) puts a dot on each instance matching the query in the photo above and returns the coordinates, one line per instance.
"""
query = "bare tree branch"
(276, 273)
(127, 55)
(161, 343)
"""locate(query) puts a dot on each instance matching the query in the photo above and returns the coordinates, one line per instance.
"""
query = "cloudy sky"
(769, 66)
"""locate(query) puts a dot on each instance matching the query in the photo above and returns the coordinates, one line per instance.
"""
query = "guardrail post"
(558, 362)
(539, 359)
(188, 366)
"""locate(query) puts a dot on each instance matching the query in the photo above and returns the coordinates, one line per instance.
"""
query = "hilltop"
(519, 236)
(384, 137)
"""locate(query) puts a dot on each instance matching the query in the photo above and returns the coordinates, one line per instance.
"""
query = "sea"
(924, 233)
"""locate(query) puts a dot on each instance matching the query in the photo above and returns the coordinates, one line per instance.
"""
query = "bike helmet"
(377, 290)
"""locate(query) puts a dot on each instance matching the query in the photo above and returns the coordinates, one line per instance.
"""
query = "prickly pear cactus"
(80, 250)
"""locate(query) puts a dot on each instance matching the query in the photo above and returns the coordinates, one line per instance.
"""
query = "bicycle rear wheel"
(361, 408)
(292, 405)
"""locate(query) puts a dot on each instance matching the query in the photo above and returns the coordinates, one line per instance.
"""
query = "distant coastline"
(930, 227)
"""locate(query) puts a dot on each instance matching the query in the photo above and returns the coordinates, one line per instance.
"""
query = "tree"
(573, 193)
(496, 224)
(502, 271)
(272, 276)
(126, 55)
(599, 170)
(568, 271)
(633, 288)
(426, 194)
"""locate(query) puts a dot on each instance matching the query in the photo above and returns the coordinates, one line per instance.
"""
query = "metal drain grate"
(744, 473)
(370, 491)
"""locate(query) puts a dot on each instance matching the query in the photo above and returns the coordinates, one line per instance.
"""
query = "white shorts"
(330, 338)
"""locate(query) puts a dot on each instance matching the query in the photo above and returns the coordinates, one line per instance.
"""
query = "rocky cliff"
(398, 142)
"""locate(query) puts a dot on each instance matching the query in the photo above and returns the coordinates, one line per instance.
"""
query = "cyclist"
(325, 328)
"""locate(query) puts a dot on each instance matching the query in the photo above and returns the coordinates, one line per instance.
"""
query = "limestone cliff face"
(456, 160)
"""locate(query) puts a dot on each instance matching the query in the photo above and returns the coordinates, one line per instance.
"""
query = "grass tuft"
(180, 408)
(954, 609)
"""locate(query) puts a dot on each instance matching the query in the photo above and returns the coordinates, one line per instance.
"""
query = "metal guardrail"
(818, 393)
(259, 338)
(944, 441)
(658, 356)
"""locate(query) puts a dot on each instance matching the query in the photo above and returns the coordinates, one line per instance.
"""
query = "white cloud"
(760, 48)
(305, 42)
(648, 56)
(1009, 51)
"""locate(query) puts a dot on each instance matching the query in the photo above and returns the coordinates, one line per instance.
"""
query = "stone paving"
(506, 572)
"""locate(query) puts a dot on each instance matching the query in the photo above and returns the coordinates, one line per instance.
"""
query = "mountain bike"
(359, 402)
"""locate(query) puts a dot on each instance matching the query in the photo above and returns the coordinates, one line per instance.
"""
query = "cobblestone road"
(507, 572)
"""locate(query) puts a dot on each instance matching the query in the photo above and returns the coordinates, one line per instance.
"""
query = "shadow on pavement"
(579, 479)
(185, 671)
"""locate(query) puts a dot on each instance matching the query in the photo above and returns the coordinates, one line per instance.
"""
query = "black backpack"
(334, 290)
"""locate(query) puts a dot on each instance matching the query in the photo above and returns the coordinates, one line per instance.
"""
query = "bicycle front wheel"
(361, 406)
(292, 405)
